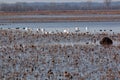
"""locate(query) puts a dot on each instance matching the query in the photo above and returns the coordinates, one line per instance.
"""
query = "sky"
(14, 1)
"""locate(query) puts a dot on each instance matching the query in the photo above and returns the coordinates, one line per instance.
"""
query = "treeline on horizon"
(16, 7)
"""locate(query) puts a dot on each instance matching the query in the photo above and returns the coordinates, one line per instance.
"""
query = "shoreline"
(9, 22)
(75, 19)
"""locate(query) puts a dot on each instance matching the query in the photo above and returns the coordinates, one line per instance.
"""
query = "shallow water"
(57, 16)
(70, 26)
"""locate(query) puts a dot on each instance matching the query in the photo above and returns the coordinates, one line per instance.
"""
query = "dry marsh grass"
(70, 12)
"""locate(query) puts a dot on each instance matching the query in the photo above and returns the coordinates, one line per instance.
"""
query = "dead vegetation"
(60, 12)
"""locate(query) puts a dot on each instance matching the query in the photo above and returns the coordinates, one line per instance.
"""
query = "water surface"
(70, 26)
(57, 16)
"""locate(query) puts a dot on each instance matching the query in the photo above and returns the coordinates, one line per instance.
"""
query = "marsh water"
(70, 26)
(57, 16)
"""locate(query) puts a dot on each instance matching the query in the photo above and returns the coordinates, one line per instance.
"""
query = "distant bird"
(28, 29)
(38, 29)
(110, 30)
(17, 28)
(51, 32)
(66, 31)
(104, 30)
(100, 30)
(23, 28)
(42, 30)
(86, 28)
(77, 29)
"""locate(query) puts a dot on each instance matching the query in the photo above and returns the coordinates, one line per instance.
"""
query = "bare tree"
(107, 3)
(89, 4)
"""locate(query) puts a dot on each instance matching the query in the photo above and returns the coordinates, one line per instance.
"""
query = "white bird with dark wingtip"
(26, 29)
(38, 30)
(42, 30)
(77, 29)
